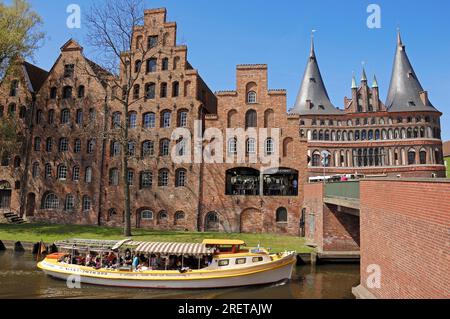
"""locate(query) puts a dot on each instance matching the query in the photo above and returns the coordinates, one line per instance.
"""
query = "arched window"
(232, 119)
(35, 170)
(148, 148)
(287, 147)
(81, 91)
(69, 203)
(137, 66)
(182, 118)
(90, 146)
(132, 120)
(77, 146)
(76, 173)
(269, 146)
(49, 145)
(146, 179)
(165, 119)
(179, 217)
(37, 144)
(130, 177)
(63, 145)
(151, 65)
(14, 88)
(181, 147)
(232, 146)
(79, 117)
(116, 120)
(150, 91)
(22, 112)
(88, 175)
(243, 182)
(165, 64)
(62, 172)
(86, 203)
(251, 119)
(113, 177)
(2, 110)
(53, 93)
(269, 118)
(149, 120)
(17, 162)
(147, 215)
(411, 157)
(12, 109)
(423, 157)
(251, 146)
(51, 201)
(176, 61)
(48, 171)
(65, 116)
(163, 91)
(164, 147)
(136, 91)
(175, 89)
(163, 178)
(67, 92)
(316, 159)
(163, 216)
(131, 149)
(282, 215)
(180, 180)
(251, 97)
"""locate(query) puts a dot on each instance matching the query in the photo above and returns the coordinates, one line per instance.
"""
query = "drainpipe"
(28, 145)
(102, 162)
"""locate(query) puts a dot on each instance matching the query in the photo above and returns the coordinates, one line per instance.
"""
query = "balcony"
(343, 194)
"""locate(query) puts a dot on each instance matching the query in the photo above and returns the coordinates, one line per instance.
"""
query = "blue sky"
(223, 33)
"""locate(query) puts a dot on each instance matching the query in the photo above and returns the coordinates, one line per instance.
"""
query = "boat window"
(257, 259)
(224, 262)
(241, 261)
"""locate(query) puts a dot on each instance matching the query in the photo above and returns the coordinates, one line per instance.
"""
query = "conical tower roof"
(405, 88)
(313, 89)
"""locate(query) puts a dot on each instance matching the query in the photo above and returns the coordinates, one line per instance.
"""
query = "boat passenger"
(128, 260)
(136, 262)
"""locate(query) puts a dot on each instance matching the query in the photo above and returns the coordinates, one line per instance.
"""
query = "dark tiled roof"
(446, 149)
(36, 75)
(313, 90)
(405, 88)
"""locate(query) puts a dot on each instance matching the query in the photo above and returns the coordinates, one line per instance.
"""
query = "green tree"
(20, 33)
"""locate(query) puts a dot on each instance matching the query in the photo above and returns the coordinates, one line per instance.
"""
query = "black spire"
(313, 90)
(405, 89)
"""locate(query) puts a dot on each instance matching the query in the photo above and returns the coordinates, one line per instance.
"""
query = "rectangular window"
(241, 261)
(257, 259)
(146, 180)
(224, 262)
(79, 118)
(152, 42)
(68, 70)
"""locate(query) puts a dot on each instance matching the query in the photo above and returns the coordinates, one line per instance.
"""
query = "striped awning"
(172, 249)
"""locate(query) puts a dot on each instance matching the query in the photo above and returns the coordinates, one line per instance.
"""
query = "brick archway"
(252, 221)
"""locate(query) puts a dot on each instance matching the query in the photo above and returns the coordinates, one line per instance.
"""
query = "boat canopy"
(91, 244)
(225, 242)
(171, 248)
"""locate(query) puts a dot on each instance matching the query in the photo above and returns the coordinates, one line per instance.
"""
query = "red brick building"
(73, 174)
(399, 137)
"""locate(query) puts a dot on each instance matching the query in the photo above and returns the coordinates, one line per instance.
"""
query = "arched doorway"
(212, 222)
(252, 221)
(5, 195)
(31, 204)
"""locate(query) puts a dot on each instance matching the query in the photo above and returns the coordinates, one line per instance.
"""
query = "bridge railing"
(349, 190)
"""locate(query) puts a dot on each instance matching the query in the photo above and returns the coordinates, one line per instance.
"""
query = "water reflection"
(19, 278)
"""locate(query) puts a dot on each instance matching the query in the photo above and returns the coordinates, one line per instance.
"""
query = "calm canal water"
(19, 278)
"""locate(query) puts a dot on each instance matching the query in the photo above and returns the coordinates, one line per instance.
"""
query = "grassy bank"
(52, 233)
